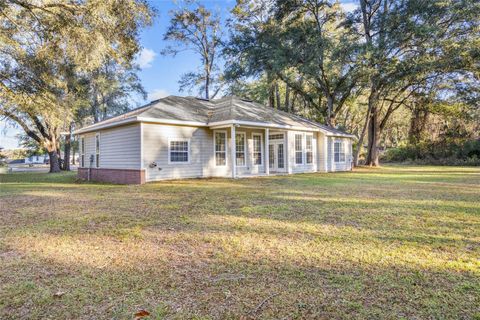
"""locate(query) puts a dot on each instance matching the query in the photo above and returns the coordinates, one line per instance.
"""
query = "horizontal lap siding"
(155, 142)
(120, 148)
(89, 147)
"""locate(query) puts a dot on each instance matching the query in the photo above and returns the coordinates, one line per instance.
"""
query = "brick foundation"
(121, 176)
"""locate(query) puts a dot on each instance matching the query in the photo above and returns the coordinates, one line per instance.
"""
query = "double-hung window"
(97, 150)
(257, 149)
(220, 142)
(82, 152)
(240, 149)
(179, 150)
(298, 148)
(339, 151)
(309, 148)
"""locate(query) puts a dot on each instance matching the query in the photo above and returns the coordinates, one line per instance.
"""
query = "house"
(35, 159)
(185, 137)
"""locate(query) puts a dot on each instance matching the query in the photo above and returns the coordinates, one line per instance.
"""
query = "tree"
(306, 44)
(110, 89)
(407, 44)
(199, 30)
(45, 46)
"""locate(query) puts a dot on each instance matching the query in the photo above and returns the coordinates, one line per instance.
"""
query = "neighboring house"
(35, 159)
(186, 137)
(16, 161)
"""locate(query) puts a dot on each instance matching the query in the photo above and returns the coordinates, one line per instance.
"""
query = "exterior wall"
(139, 153)
(122, 176)
(322, 152)
(340, 166)
(155, 150)
(202, 156)
(119, 147)
(299, 168)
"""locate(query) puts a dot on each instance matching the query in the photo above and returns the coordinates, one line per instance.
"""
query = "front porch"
(249, 151)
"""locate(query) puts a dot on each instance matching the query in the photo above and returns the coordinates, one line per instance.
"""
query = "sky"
(159, 74)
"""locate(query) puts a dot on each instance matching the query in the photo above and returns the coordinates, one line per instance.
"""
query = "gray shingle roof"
(209, 112)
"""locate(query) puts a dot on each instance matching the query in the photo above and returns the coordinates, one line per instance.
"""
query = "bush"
(451, 152)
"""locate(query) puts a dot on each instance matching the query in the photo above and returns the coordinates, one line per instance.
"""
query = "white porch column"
(267, 150)
(326, 154)
(233, 150)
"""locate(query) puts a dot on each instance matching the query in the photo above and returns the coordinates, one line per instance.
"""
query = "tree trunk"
(271, 96)
(330, 115)
(54, 163)
(418, 123)
(373, 139)
(277, 97)
(287, 98)
(207, 86)
(68, 145)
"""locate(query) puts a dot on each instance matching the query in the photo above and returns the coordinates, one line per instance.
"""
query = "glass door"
(271, 156)
(276, 156)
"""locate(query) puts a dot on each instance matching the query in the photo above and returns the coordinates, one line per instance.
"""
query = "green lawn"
(391, 243)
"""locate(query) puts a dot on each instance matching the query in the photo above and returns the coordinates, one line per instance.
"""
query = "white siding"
(298, 168)
(211, 170)
(89, 148)
(155, 150)
(119, 147)
(322, 152)
(340, 166)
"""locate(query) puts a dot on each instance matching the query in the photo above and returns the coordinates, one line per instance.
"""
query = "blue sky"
(159, 74)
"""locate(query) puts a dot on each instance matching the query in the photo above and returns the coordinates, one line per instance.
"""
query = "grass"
(392, 243)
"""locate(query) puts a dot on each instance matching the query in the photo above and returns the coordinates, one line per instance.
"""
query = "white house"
(35, 159)
(186, 137)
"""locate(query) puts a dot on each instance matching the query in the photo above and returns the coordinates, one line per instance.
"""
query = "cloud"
(145, 58)
(157, 94)
(349, 6)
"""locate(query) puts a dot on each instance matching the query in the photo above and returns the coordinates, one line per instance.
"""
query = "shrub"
(447, 152)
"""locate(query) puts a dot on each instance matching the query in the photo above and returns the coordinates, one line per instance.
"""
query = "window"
(339, 151)
(220, 143)
(257, 149)
(299, 148)
(179, 150)
(82, 152)
(97, 150)
(277, 136)
(240, 149)
(309, 148)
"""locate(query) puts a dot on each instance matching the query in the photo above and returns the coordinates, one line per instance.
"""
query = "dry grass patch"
(396, 242)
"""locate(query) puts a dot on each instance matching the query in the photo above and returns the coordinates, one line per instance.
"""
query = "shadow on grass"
(343, 245)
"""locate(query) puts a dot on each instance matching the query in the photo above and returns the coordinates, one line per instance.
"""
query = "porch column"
(233, 150)
(267, 150)
(326, 153)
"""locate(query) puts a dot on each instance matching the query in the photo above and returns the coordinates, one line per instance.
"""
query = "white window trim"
(97, 152)
(311, 150)
(344, 152)
(244, 148)
(188, 152)
(82, 152)
(261, 149)
(295, 149)
(215, 151)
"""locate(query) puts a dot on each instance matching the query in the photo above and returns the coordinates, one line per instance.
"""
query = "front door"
(276, 156)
